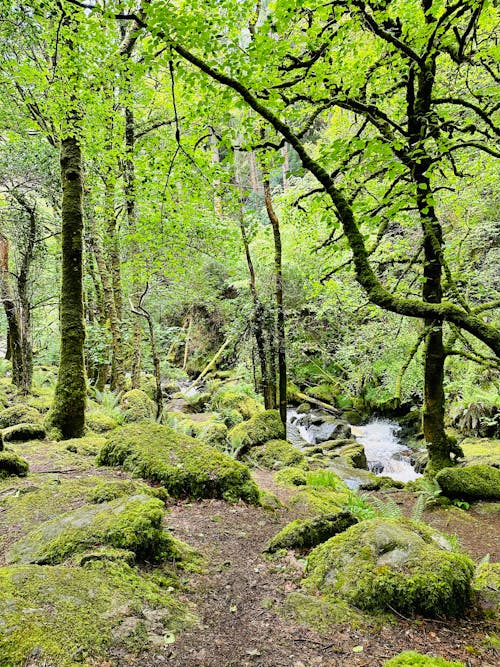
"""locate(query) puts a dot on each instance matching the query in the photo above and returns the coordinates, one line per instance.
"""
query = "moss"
(133, 523)
(89, 445)
(354, 455)
(69, 616)
(291, 477)
(213, 434)
(12, 465)
(106, 490)
(137, 406)
(318, 501)
(269, 501)
(392, 563)
(256, 431)
(100, 423)
(277, 454)
(472, 482)
(183, 465)
(487, 584)
(24, 432)
(41, 403)
(481, 450)
(4, 399)
(414, 659)
(18, 414)
(323, 392)
(307, 533)
(321, 613)
(237, 397)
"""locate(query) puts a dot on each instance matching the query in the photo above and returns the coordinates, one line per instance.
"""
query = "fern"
(388, 508)
(418, 509)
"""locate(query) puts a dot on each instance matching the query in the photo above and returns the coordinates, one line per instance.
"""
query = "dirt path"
(239, 596)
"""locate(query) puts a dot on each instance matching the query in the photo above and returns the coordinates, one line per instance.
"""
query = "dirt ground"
(239, 595)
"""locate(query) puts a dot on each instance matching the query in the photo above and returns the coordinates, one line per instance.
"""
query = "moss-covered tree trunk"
(14, 340)
(68, 410)
(280, 315)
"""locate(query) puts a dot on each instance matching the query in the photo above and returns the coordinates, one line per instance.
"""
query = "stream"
(386, 455)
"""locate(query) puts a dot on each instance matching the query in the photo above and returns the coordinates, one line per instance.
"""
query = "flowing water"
(385, 454)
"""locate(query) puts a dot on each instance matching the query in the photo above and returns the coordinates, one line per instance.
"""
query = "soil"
(239, 595)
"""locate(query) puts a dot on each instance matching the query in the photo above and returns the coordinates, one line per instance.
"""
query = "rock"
(98, 422)
(256, 431)
(24, 432)
(137, 406)
(12, 465)
(303, 409)
(236, 397)
(381, 564)
(353, 454)
(214, 434)
(183, 465)
(19, 414)
(487, 585)
(307, 533)
(64, 616)
(474, 482)
(330, 428)
(133, 523)
(276, 454)
(414, 659)
(314, 502)
(376, 467)
(291, 477)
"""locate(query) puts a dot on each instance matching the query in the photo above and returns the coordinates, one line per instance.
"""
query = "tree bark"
(14, 340)
(280, 314)
(68, 410)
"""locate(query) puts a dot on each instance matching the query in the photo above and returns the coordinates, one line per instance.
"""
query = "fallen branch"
(316, 401)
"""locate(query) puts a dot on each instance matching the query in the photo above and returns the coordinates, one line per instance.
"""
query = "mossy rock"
(214, 434)
(414, 659)
(256, 431)
(24, 432)
(321, 613)
(236, 397)
(133, 523)
(183, 465)
(73, 616)
(324, 392)
(481, 450)
(384, 564)
(106, 490)
(4, 400)
(137, 406)
(12, 465)
(314, 502)
(41, 403)
(487, 584)
(19, 414)
(307, 533)
(89, 445)
(353, 454)
(477, 482)
(291, 476)
(98, 422)
(277, 454)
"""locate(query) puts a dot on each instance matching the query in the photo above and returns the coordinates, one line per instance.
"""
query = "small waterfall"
(385, 454)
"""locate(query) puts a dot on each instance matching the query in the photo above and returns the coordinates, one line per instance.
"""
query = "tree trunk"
(23, 288)
(280, 316)
(14, 340)
(68, 410)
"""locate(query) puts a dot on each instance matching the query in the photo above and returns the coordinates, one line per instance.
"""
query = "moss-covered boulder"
(213, 433)
(137, 406)
(481, 450)
(277, 454)
(354, 455)
(183, 465)
(12, 465)
(74, 616)
(99, 422)
(19, 414)
(384, 564)
(307, 533)
(414, 659)
(291, 476)
(133, 523)
(89, 445)
(236, 397)
(475, 482)
(24, 432)
(313, 502)
(256, 431)
(486, 584)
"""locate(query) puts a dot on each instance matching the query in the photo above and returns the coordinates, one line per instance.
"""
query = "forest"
(250, 333)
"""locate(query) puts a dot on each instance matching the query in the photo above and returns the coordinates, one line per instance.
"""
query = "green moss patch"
(12, 465)
(321, 613)
(475, 482)
(414, 659)
(385, 564)
(99, 422)
(312, 502)
(256, 431)
(24, 432)
(90, 445)
(307, 533)
(183, 465)
(487, 584)
(19, 414)
(133, 523)
(71, 616)
(236, 397)
(276, 454)
(137, 406)
(292, 476)
(481, 450)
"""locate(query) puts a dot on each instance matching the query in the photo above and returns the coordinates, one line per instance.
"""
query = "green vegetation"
(414, 659)
(136, 406)
(392, 563)
(475, 482)
(12, 465)
(276, 454)
(261, 428)
(307, 533)
(183, 465)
